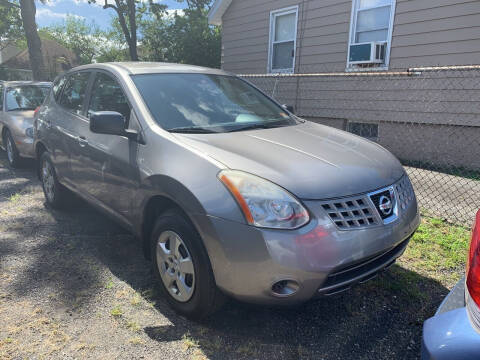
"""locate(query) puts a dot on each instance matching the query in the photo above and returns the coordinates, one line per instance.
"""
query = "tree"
(126, 11)
(11, 29)
(28, 11)
(86, 40)
(184, 37)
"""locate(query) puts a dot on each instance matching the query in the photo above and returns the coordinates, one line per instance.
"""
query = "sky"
(55, 11)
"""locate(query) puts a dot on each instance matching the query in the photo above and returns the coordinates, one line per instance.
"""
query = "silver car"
(453, 333)
(228, 192)
(18, 101)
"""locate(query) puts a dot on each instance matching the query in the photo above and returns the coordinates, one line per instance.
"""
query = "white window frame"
(273, 16)
(353, 27)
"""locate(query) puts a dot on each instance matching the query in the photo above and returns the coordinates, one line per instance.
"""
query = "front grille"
(350, 213)
(360, 271)
(355, 212)
(405, 192)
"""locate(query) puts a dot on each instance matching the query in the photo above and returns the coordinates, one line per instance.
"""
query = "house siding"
(425, 33)
(322, 34)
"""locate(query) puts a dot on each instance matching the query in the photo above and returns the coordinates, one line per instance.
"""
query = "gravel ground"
(74, 285)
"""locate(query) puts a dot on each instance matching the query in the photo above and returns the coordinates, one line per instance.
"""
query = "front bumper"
(25, 146)
(320, 258)
(18, 126)
(449, 334)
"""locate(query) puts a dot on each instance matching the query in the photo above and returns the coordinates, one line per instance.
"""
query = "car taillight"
(472, 292)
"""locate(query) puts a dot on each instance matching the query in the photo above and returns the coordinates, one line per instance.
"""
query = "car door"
(51, 124)
(1, 107)
(112, 158)
(70, 122)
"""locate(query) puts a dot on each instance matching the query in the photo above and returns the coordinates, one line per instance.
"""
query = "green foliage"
(116, 312)
(86, 40)
(11, 28)
(449, 241)
(182, 37)
(438, 249)
(127, 15)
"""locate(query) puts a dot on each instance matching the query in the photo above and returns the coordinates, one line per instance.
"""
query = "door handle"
(82, 141)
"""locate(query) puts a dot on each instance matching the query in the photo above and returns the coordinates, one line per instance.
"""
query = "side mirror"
(289, 108)
(110, 123)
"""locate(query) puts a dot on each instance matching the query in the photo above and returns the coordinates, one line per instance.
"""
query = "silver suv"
(228, 191)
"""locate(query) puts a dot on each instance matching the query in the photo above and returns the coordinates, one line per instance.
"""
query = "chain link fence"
(428, 117)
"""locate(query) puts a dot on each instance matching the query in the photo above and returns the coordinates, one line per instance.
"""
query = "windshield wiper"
(267, 125)
(191, 130)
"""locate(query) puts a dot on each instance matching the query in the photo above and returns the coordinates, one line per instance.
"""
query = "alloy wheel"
(48, 180)
(9, 146)
(175, 266)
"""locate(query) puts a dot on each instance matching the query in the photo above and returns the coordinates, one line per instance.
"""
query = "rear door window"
(73, 94)
(107, 95)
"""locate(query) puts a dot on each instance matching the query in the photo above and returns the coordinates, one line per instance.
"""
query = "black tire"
(59, 195)
(206, 298)
(13, 156)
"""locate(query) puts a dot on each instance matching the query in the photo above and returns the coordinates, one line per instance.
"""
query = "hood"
(311, 161)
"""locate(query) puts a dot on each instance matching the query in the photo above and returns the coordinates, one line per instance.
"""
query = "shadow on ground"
(378, 320)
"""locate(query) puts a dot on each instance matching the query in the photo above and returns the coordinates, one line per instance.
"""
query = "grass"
(110, 284)
(136, 341)
(189, 342)
(133, 326)
(136, 299)
(14, 198)
(248, 348)
(116, 312)
(434, 260)
(438, 250)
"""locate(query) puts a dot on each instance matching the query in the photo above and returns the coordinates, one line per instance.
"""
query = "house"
(296, 35)
(396, 71)
(8, 52)
(56, 58)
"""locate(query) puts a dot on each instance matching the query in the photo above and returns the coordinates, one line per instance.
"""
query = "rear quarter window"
(58, 86)
(1, 96)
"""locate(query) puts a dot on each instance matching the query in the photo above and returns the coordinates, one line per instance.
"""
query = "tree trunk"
(130, 34)
(133, 30)
(28, 10)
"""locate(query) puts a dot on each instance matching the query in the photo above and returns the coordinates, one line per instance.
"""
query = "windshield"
(206, 103)
(25, 97)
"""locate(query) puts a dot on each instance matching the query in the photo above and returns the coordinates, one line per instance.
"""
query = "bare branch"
(107, 5)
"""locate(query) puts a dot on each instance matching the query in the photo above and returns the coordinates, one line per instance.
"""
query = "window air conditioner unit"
(368, 53)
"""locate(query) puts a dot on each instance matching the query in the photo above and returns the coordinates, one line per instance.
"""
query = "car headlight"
(30, 132)
(263, 203)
